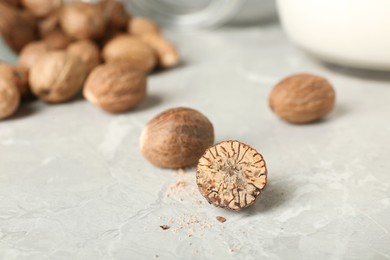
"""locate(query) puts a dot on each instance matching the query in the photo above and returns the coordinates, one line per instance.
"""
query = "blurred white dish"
(355, 33)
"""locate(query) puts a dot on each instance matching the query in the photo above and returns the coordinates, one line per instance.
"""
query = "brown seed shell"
(167, 53)
(18, 76)
(17, 27)
(41, 8)
(132, 50)
(31, 53)
(57, 40)
(115, 88)
(82, 20)
(142, 25)
(9, 98)
(49, 24)
(302, 98)
(87, 51)
(57, 76)
(231, 175)
(176, 138)
(115, 13)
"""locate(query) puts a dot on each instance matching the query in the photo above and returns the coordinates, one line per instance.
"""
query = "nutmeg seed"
(17, 27)
(167, 53)
(176, 138)
(57, 76)
(57, 40)
(41, 8)
(115, 88)
(302, 98)
(142, 25)
(9, 98)
(87, 51)
(231, 175)
(132, 50)
(82, 20)
(31, 53)
(16, 75)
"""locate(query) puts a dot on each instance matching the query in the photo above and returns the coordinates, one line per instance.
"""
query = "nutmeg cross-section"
(231, 175)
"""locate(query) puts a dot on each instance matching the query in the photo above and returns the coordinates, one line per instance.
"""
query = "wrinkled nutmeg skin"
(176, 138)
(132, 50)
(82, 20)
(57, 77)
(302, 98)
(142, 25)
(17, 27)
(57, 40)
(87, 51)
(41, 8)
(9, 98)
(115, 88)
(115, 14)
(31, 53)
(18, 76)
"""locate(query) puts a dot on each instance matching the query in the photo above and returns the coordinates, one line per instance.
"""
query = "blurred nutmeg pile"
(62, 46)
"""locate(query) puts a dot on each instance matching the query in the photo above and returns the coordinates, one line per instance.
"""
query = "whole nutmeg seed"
(302, 98)
(176, 138)
(31, 53)
(87, 51)
(57, 40)
(15, 3)
(57, 76)
(82, 20)
(49, 24)
(167, 53)
(142, 25)
(131, 50)
(115, 88)
(115, 13)
(41, 8)
(18, 76)
(9, 98)
(17, 27)
(231, 175)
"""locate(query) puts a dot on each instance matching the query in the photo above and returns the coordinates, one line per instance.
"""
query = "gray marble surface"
(73, 184)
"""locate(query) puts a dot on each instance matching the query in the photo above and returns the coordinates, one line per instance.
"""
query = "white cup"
(354, 33)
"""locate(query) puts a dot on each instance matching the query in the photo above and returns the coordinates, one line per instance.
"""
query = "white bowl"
(354, 33)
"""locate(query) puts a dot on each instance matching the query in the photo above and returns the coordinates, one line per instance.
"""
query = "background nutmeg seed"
(115, 14)
(176, 138)
(115, 88)
(41, 8)
(17, 27)
(57, 76)
(9, 98)
(87, 51)
(132, 50)
(142, 25)
(82, 20)
(302, 98)
(167, 53)
(31, 53)
(18, 76)
(57, 40)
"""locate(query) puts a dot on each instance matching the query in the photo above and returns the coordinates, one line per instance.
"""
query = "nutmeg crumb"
(164, 227)
(221, 219)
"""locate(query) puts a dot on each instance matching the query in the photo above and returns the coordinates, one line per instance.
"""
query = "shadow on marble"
(151, 100)
(275, 195)
(26, 109)
(183, 63)
(373, 75)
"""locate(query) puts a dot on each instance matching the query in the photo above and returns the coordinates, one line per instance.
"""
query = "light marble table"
(73, 184)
